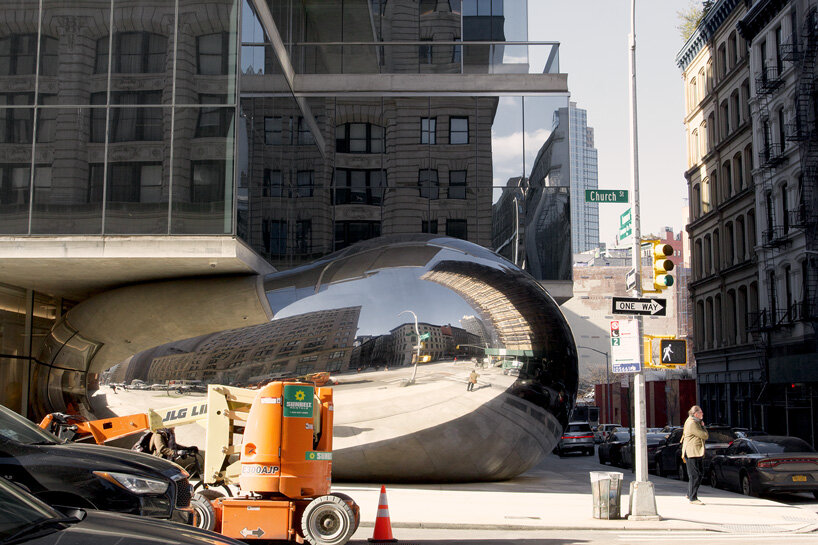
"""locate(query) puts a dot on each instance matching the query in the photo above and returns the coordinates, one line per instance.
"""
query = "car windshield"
(621, 435)
(19, 509)
(16, 428)
(655, 438)
(776, 445)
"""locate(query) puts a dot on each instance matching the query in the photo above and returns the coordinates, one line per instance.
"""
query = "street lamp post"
(607, 381)
(417, 346)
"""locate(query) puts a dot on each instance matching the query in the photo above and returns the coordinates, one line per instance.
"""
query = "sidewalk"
(557, 495)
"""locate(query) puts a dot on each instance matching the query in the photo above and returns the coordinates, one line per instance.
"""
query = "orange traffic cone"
(383, 527)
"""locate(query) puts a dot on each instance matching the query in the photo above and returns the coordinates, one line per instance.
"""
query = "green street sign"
(606, 195)
(425, 336)
(625, 219)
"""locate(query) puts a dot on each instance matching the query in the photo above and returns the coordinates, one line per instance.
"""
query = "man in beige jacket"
(693, 437)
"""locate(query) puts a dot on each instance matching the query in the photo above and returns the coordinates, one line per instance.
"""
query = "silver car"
(577, 436)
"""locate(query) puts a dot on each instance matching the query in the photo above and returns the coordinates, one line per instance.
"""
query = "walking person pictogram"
(667, 353)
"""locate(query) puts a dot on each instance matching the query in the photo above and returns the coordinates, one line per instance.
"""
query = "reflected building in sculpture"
(152, 141)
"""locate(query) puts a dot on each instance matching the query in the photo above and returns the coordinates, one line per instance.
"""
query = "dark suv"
(90, 476)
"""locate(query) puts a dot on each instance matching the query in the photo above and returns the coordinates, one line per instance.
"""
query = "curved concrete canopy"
(353, 311)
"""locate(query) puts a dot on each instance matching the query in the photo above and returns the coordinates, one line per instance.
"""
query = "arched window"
(731, 325)
(698, 259)
(694, 147)
(703, 84)
(726, 180)
(718, 315)
(708, 255)
(751, 231)
(695, 201)
(705, 196)
(699, 339)
(711, 131)
(729, 244)
(724, 120)
(738, 172)
(716, 251)
(693, 98)
(709, 319)
(741, 242)
(741, 314)
(785, 209)
(735, 109)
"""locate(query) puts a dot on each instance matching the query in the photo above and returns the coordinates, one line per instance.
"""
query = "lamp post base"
(642, 501)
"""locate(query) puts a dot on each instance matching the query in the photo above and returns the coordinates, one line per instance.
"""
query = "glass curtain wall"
(395, 164)
(118, 117)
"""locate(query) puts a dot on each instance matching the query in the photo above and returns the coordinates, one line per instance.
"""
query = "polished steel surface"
(357, 313)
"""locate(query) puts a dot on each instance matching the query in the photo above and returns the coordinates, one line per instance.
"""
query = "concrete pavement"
(557, 495)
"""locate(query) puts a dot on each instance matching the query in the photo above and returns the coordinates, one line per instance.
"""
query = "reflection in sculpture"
(344, 314)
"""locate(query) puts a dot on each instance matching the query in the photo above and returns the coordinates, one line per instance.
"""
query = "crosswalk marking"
(655, 537)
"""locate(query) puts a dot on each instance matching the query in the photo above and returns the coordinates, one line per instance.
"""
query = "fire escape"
(777, 234)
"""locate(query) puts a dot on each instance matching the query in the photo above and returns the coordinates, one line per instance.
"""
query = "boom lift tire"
(328, 520)
(349, 501)
(203, 509)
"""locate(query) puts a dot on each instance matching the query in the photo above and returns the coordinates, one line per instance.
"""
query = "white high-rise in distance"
(584, 175)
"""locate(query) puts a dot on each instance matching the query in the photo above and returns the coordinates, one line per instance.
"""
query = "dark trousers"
(695, 472)
(469, 386)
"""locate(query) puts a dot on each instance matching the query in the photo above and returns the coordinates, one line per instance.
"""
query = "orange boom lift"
(276, 444)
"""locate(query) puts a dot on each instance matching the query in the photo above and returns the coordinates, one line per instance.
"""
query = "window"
(16, 125)
(425, 52)
(273, 131)
(428, 184)
(273, 184)
(303, 236)
(19, 51)
(14, 184)
(456, 228)
(428, 130)
(274, 235)
(129, 124)
(785, 205)
(214, 121)
(134, 182)
(457, 184)
(350, 232)
(458, 130)
(359, 186)
(134, 53)
(304, 134)
(46, 119)
(212, 54)
(359, 138)
(305, 180)
(428, 226)
(208, 180)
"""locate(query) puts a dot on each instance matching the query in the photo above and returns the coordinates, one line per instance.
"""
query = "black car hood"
(106, 458)
(100, 527)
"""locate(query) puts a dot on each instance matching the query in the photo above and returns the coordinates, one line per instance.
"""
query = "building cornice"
(759, 16)
(715, 17)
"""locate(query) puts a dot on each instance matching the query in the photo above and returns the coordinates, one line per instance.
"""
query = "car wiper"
(37, 526)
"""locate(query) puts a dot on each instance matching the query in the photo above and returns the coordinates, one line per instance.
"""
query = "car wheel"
(328, 520)
(590, 451)
(712, 479)
(681, 471)
(659, 471)
(747, 486)
(203, 510)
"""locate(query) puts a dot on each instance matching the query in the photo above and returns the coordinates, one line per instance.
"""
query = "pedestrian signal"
(662, 266)
(673, 352)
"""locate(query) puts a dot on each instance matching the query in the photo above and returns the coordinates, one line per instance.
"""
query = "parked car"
(766, 463)
(90, 476)
(668, 456)
(602, 431)
(610, 450)
(654, 439)
(26, 519)
(577, 436)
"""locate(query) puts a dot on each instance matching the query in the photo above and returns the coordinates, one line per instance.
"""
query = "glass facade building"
(584, 175)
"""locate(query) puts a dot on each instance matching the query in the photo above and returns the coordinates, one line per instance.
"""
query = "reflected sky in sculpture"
(382, 296)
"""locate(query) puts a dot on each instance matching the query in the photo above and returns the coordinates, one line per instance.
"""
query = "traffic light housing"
(662, 279)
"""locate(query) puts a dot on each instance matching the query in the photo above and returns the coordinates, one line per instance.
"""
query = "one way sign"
(633, 306)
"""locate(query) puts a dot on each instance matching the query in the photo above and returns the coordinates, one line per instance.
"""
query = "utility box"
(606, 487)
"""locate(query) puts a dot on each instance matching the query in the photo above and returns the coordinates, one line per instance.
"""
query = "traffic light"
(662, 266)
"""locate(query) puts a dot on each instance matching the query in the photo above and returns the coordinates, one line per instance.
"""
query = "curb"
(623, 525)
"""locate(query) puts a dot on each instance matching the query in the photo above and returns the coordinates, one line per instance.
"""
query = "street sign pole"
(642, 497)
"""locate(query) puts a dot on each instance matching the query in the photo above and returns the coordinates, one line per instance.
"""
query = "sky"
(593, 36)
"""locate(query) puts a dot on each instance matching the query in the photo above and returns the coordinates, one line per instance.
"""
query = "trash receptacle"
(606, 487)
